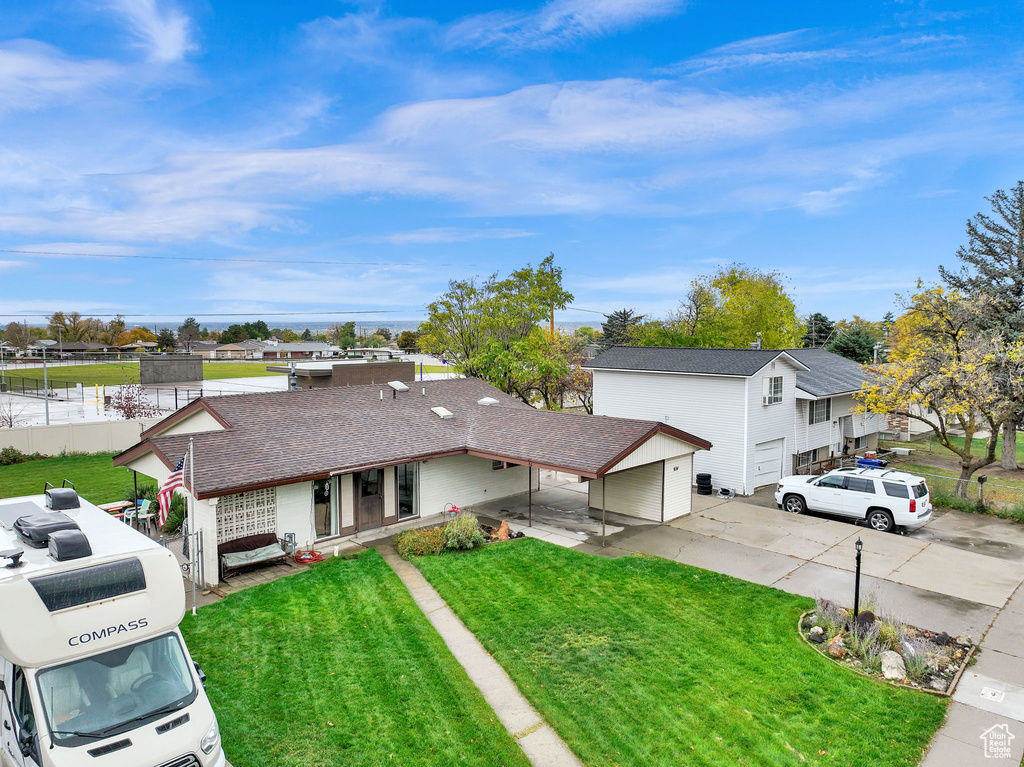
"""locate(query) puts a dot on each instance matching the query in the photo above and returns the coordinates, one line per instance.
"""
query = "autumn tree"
(992, 268)
(947, 373)
(73, 327)
(342, 334)
(476, 324)
(112, 330)
(135, 335)
(129, 402)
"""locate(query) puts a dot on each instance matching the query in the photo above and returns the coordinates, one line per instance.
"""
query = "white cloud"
(439, 235)
(555, 23)
(34, 75)
(164, 33)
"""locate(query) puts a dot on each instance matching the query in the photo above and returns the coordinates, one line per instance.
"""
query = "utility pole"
(46, 389)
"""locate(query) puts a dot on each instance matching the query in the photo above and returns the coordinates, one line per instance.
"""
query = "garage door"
(768, 462)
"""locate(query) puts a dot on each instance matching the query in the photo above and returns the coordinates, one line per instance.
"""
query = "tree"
(856, 345)
(113, 330)
(20, 335)
(819, 331)
(188, 333)
(307, 335)
(477, 325)
(166, 339)
(385, 333)
(233, 334)
(947, 373)
(12, 412)
(617, 327)
(343, 335)
(73, 327)
(992, 267)
(129, 402)
(408, 339)
(586, 334)
(136, 335)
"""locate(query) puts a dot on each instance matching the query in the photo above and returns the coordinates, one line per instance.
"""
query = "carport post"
(604, 504)
(529, 493)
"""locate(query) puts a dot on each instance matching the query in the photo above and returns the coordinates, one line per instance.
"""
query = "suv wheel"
(794, 504)
(881, 520)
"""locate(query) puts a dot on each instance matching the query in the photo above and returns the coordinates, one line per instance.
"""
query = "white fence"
(86, 437)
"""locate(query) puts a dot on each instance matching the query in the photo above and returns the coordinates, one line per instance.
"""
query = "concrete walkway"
(539, 742)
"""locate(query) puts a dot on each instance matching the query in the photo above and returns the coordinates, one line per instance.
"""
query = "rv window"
(90, 584)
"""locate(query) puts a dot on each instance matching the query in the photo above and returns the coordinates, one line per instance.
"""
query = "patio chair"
(142, 514)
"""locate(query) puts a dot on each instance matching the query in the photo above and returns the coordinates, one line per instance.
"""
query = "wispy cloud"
(443, 235)
(33, 75)
(556, 23)
(164, 32)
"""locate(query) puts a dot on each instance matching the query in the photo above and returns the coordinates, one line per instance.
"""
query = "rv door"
(19, 735)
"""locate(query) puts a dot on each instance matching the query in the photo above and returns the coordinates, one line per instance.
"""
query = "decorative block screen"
(245, 514)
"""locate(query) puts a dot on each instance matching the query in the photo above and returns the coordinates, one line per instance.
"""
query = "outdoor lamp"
(856, 583)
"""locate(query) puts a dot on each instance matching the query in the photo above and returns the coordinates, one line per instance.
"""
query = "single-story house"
(769, 412)
(297, 350)
(325, 464)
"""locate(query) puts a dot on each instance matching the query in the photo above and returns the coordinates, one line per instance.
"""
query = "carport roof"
(278, 438)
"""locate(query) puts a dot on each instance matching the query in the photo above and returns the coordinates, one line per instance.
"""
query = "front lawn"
(641, 661)
(113, 373)
(338, 666)
(95, 477)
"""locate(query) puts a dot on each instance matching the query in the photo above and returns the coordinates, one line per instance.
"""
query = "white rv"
(93, 668)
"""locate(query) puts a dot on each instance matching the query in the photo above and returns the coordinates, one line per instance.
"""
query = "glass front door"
(325, 508)
(408, 474)
(370, 499)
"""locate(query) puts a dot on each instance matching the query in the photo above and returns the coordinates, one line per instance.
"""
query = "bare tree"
(129, 402)
(11, 412)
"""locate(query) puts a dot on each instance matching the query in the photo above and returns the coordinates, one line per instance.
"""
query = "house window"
(820, 411)
(860, 442)
(803, 460)
(325, 507)
(408, 476)
(772, 393)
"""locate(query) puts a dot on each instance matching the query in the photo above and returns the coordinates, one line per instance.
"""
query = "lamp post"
(856, 583)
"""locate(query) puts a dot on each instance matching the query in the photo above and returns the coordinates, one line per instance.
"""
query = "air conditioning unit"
(766, 400)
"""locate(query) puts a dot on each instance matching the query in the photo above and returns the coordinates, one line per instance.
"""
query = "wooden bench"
(250, 551)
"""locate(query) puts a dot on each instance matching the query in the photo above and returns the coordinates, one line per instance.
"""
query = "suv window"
(920, 491)
(860, 484)
(833, 482)
(896, 490)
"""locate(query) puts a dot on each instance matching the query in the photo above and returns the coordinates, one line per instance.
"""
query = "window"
(860, 442)
(860, 485)
(325, 507)
(369, 483)
(772, 390)
(90, 584)
(408, 474)
(896, 490)
(803, 460)
(820, 411)
(22, 710)
(920, 491)
(836, 483)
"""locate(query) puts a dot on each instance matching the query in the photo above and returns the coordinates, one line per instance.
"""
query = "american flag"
(174, 480)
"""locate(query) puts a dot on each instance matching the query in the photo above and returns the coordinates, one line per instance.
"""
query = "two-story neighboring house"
(767, 412)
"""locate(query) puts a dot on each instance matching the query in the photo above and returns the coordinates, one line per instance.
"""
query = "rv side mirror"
(26, 740)
(201, 674)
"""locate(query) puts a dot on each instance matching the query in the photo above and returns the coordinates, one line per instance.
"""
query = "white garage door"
(768, 462)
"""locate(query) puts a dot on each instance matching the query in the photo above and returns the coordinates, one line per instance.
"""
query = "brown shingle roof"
(281, 437)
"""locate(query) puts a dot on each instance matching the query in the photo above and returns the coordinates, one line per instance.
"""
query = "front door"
(19, 737)
(369, 499)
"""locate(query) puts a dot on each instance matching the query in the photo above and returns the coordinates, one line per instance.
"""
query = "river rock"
(816, 638)
(817, 631)
(836, 648)
(893, 666)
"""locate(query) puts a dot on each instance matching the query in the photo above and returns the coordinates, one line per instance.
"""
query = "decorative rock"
(502, 533)
(817, 631)
(835, 647)
(938, 683)
(893, 666)
(965, 640)
(866, 618)
(806, 623)
(941, 639)
(816, 638)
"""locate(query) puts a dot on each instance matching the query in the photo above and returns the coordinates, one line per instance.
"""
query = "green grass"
(338, 666)
(641, 661)
(95, 477)
(112, 373)
(979, 446)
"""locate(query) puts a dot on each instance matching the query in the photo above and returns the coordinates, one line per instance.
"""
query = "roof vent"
(398, 386)
(487, 401)
(69, 544)
(61, 498)
(442, 412)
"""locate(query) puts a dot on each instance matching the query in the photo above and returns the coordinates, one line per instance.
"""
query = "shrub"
(831, 617)
(871, 657)
(860, 638)
(11, 455)
(420, 542)
(917, 654)
(889, 635)
(463, 532)
(176, 516)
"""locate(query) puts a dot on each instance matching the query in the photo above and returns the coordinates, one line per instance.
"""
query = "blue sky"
(643, 141)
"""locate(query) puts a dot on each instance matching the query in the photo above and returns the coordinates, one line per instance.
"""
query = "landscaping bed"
(338, 666)
(642, 661)
(887, 649)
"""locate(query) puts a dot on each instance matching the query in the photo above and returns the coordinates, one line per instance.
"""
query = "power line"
(225, 260)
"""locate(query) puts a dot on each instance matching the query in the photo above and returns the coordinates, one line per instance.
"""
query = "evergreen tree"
(188, 333)
(856, 345)
(819, 330)
(166, 339)
(992, 273)
(618, 326)
(307, 335)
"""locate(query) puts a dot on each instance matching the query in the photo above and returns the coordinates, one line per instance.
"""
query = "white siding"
(678, 490)
(467, 479)
(150, 466)
(346, 494)
(658, 448)
(197, 422)
(767, 423)
(636, 491)
(824, 434)
(295, 513)
(390, 477)
(709, 407)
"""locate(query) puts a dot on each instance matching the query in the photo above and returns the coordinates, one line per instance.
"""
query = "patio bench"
(250, 551)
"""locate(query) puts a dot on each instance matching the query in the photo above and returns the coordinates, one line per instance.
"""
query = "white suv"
(886, 499)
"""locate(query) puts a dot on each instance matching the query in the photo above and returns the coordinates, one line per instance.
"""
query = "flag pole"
(193, 550)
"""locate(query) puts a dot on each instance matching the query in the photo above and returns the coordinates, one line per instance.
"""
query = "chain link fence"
(990, 493)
